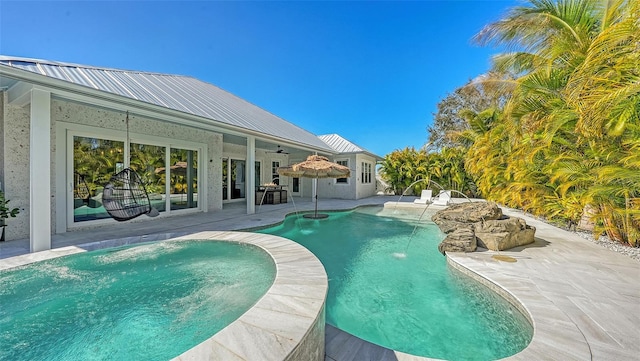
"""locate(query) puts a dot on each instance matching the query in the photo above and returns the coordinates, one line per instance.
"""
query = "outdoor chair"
(425, 197)
(443, 198)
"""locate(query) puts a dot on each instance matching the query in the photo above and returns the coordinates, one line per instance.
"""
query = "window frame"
(343, 181)
(365, 172)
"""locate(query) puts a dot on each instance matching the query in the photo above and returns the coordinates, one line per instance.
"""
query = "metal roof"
(177, 92)
(341, 145)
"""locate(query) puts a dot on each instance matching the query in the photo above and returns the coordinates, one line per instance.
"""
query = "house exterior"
(65, 128)
(362, 163)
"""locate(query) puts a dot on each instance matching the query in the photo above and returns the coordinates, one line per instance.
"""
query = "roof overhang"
(74, 92)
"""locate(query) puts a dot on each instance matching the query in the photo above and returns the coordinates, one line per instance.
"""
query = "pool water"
(397, 291)
(146, 302)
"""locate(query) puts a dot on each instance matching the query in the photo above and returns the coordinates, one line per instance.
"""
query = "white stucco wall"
(369, 189)
(16, 167)
(354, 189)
(330, 188)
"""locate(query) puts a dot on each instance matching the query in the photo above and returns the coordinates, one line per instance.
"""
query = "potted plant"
(5, 212)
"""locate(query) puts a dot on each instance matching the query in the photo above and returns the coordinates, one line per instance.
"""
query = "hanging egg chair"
(125, 197)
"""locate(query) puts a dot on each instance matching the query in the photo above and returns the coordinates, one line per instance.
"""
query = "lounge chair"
(443, 198)
(425, 197)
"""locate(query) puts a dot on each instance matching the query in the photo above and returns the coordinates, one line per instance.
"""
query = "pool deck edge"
(582, 299)
(289, 317)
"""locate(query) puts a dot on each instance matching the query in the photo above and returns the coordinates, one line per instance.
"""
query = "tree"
(572, 121)
(401, 168)
(410, 171)
(474, 97)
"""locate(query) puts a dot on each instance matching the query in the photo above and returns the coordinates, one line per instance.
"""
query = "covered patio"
(232, 217)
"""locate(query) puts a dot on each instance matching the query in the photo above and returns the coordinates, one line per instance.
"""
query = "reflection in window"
(258, 177)
(365, 177)
(296, 185)
(148, 162)
(183, 176)
(225, 180)
(275, 177)
(94, 162)
(237, 179)
(345, 163)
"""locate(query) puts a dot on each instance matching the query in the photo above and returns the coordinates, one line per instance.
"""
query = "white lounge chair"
(425, 197)
(443, 198)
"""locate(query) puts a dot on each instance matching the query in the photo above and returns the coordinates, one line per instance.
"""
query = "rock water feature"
(480, 224)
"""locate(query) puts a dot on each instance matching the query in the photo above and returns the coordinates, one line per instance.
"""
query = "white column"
(251, 175)
(40, 171)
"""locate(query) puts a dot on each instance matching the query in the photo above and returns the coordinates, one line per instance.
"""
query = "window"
(258, 177)
(237, 179)
(275, 177)
(183, 178)
(344, 162)
(95, 160)
(148, 162)
(225, 179)
(365, 176)
(296, 185)
(169, 173)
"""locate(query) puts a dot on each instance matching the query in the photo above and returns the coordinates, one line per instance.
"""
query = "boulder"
(473, 224)
(469, 212)
(447, 226)
(460, 240)
(586, 223)
(501, 234)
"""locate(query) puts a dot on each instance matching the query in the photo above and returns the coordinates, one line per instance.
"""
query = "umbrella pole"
(316, 212)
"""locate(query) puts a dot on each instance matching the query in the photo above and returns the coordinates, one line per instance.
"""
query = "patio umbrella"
(315, 166)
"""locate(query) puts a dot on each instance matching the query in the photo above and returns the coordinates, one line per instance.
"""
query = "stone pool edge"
(287, 323)
(554, 334)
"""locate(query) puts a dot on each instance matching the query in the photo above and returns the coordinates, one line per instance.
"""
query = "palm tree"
(403, 167)
(572, 119)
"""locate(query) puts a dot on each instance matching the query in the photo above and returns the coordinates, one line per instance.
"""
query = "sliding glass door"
(94, 161)
(183, 179)
(234, 178)
(169, 174)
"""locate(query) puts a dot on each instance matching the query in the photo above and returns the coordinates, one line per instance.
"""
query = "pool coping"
(287, 323)
(554, 334)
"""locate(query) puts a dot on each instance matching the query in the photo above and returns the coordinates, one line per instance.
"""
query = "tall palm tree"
(573, 116)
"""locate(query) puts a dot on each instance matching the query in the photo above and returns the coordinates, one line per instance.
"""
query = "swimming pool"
(396, 291)
(144, 302)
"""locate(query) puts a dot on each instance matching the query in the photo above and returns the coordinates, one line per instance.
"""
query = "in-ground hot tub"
(216, 282)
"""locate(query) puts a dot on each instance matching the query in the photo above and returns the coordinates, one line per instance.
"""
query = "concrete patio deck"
(583, 299)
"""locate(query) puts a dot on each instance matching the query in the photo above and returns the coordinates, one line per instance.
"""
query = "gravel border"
(604, 241)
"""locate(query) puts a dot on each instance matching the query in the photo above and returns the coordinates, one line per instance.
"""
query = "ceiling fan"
(278, 151)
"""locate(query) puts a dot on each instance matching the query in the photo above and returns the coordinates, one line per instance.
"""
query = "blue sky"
(372, 72)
